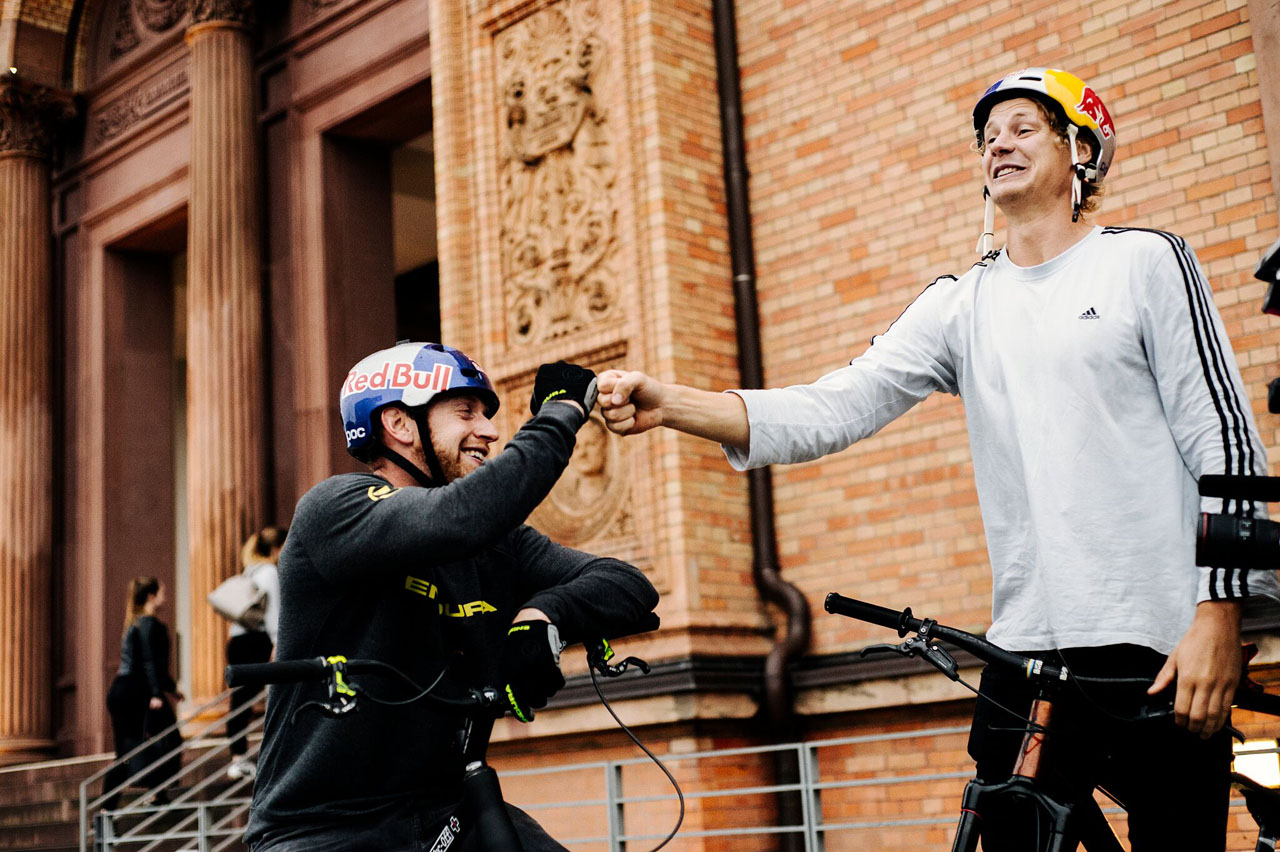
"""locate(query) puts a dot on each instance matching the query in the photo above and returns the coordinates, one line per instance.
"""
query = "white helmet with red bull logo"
(409, 374)
(1071, 98)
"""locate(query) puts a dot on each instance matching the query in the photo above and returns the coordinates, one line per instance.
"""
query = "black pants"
(409, 829)
(253, 646)
(132, 721)
(1174, 785)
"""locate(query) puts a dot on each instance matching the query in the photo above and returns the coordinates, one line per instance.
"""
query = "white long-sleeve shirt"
(1098, 387)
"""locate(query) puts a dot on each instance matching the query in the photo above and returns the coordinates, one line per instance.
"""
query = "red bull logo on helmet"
(398, 375)
(1091, 105)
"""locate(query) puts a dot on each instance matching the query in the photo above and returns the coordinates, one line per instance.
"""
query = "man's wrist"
(572, 402)
(1226, 613)
(530, 613)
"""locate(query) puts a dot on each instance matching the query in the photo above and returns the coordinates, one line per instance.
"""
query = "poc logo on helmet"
(356, 434)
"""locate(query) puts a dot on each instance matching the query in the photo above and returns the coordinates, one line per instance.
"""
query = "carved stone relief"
(137, 104)
(557, 189)
(154, 15)
(591, 493)
(230, 11)
(591, 499)
(30, 116)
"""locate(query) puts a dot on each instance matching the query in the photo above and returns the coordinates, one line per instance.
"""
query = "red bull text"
(398, 375)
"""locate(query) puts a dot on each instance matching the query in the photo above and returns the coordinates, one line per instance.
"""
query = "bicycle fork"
(1086, 818)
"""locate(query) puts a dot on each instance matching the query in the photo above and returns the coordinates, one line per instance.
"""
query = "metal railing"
(201, 810)
(841, 784)
(814, 791)
(837, 797)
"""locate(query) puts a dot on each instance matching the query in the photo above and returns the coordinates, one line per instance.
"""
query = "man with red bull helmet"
(1098, 386)
(425, 563)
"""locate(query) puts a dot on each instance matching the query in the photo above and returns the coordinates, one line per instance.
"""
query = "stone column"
(28, 114)
(225, 347)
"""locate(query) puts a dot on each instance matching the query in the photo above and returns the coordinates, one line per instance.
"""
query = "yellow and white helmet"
(1076, 101)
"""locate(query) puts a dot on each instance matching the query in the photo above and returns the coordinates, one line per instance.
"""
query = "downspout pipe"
(778, 703)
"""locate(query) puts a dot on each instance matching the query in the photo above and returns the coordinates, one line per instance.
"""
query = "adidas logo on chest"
(1090, 314)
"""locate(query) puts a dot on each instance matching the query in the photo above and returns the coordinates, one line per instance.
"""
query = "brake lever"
(931, 652)
(600, 652)
(341, 699)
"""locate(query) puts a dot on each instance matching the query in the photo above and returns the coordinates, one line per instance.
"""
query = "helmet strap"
(419, 415)
(1077, 174)
(436, 475)
(986, 242)
(408, 466)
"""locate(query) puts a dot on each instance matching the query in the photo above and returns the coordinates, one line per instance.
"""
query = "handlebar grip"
(283, 671)
(863, 611)
(648, 623)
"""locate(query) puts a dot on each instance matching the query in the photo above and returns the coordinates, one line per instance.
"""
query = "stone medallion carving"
(557, 175)
(590, 496)
(155, 16)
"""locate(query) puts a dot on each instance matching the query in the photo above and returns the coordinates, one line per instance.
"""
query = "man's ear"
(397, 425)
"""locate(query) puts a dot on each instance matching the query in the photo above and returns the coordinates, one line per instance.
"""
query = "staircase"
(40, 804)
(56, 806)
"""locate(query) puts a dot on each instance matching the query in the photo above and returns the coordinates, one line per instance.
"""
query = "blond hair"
(263, 546)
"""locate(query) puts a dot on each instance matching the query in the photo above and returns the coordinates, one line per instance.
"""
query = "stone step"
(58, 810)
(40, 835)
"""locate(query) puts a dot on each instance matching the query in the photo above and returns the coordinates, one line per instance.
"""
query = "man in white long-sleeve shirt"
(1098, 386)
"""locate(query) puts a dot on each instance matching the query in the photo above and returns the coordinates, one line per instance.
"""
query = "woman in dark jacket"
(142, 695)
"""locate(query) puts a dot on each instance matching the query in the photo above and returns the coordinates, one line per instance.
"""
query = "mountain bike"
(482, 808)
(1068, 822)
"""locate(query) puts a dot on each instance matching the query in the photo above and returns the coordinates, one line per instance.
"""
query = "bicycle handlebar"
(318, 668)
(1249, 695)
(905, 623)
(284, 671)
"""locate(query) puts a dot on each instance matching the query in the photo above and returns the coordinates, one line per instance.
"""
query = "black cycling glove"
(564, 381)
(531, 667)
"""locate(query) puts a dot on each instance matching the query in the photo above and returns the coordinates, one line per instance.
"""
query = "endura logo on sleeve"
(465, 610)
(421, 587)
(429, 590)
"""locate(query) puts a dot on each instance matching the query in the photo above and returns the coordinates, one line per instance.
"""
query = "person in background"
(143, 693)
(259, 555)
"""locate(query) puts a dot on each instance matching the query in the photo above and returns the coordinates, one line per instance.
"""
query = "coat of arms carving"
(559, 212)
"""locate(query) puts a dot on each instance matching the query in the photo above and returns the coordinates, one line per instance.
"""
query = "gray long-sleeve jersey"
(420, 578)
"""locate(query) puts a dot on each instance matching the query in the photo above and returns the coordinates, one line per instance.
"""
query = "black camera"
(1232, 541)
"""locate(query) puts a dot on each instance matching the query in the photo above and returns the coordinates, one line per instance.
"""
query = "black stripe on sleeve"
(1235, 442)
